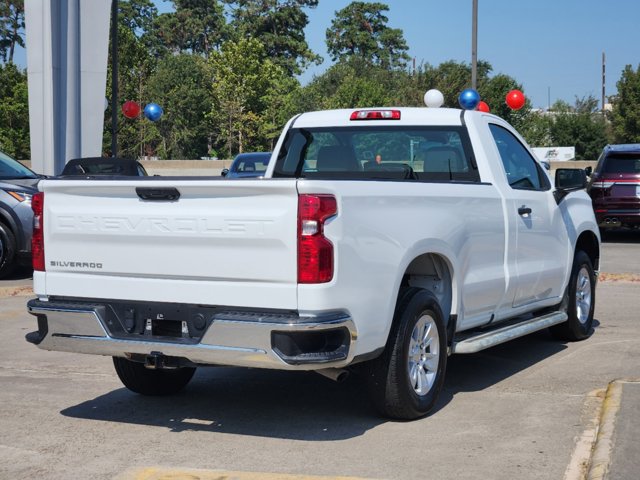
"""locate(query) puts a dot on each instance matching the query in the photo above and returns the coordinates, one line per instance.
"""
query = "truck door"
(534, 218)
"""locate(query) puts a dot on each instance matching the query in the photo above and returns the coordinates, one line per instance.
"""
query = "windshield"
(251, 163)
(10, 168)
(438, 154)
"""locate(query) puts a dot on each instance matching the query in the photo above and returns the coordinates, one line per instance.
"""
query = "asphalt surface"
(528, 409)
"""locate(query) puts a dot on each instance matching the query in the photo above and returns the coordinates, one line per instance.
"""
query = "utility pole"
(603, 80)
(474, 46)
(114, 78)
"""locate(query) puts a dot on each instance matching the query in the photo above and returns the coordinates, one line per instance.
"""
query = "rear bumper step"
(491, 338)
(231, 338)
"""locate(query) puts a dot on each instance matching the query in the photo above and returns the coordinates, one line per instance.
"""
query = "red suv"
(615, 187)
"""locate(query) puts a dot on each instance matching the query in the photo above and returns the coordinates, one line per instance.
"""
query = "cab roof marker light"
(375, 115)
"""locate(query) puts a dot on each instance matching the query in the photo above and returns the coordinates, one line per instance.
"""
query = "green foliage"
(625, 117)
(244, 82)
(11, 28)
(349, 84)
(581, 126)
(14, 112)
(180, 83)
(360, 30)
(279, 25)
(196, 26)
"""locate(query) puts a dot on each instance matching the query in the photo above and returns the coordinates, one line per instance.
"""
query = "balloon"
(469, 99)
(433, 98)
(106, 103)
(130, 109)
(483, 107)
(153, 112)
(515, 99)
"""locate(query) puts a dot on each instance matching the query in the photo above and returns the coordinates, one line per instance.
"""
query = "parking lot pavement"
(513, 411)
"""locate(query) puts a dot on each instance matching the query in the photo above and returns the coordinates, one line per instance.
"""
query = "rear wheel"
(579, 301)
(406, 379)
(137, 378)
(7, 251)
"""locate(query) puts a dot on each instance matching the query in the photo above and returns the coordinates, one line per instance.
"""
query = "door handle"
(170, 194)
(524, 211)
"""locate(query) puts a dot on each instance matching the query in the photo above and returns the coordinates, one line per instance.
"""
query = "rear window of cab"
(436, 154)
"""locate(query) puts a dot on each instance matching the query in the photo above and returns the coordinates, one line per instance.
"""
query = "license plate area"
(167, 328)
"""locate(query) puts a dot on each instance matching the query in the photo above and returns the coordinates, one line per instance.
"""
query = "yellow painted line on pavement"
(618, 277)
(19, 291)
(163, 473)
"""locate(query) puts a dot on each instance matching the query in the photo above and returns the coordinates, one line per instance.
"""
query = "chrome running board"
(491, 338)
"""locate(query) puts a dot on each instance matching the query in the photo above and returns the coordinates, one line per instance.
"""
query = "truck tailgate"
(221, 243)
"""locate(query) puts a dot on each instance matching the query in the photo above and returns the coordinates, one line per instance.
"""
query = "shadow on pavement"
(299, 405)
(620, 235)
(22, 273)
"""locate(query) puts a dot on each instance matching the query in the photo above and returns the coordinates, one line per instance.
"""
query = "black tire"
(579, 301)
(394, 389)
(7, 251)
(145, 381)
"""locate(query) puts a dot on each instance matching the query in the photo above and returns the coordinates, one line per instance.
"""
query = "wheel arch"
(433, 272)
(589, 244)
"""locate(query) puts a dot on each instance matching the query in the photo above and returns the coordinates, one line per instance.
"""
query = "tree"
(279, 26)
(243, 83)
(14, 112)
(11, 28)
(625, 117)
(360, 30)
(196, 26)
(580, 125)
(180, 84)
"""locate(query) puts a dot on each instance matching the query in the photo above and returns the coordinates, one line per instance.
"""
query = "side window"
(522, 170)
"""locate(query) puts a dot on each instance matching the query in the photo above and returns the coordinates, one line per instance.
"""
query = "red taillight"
(375, 115)
(37, 238)
(315, 251)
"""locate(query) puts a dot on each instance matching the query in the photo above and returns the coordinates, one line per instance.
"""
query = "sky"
(549, 46)
(552, 47)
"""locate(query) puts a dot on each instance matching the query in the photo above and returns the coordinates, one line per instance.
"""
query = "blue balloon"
(153, 111)
(469, 99)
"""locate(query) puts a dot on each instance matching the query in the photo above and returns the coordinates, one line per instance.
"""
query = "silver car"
(17, 186)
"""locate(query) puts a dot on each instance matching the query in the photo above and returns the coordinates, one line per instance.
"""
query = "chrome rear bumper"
(232, 338)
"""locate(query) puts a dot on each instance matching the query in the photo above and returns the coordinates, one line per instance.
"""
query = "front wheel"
(406, 379)
(137, 378)
(579, 301)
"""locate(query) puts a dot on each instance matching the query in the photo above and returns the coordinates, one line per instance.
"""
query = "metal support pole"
(114, 78)
(604, 98)
(474, 47)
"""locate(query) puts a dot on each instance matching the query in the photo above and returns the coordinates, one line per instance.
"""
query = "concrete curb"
(603, 449)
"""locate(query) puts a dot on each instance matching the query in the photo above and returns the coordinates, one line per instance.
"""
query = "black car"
(245, 165)
(89, 167)
(17, 186)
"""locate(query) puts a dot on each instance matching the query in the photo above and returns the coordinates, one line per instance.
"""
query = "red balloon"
(515, 99)
(483, 107)
(130, 109)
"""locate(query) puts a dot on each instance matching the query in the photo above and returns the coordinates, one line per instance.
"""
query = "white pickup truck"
(380, 241)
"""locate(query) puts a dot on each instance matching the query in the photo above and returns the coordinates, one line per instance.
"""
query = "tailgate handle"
(170, 194)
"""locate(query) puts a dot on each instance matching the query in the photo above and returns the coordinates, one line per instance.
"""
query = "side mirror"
(569, 180)
(224, 172)
(588, 171)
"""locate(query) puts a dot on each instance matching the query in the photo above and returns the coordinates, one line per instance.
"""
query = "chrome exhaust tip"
(335, 374)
